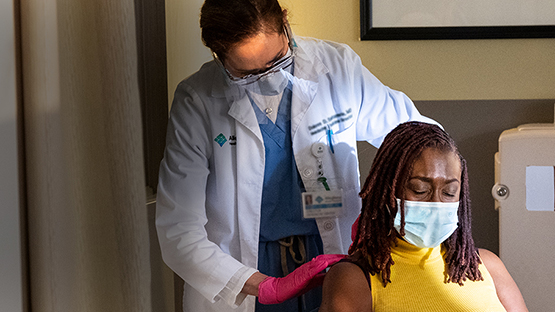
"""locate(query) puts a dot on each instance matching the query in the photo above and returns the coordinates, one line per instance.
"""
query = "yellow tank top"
(417, 284)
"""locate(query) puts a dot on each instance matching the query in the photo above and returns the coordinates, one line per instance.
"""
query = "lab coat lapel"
(241, 110)
(308, 70)
(240, 105)
(250, 178)
(250, 162)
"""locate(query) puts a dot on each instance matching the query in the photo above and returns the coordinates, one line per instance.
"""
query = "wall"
(185, 50)
(11, 270)
(474, 88)
(423, 69)
(436, 70)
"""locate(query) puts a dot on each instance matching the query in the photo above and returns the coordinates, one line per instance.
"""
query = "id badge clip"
(318, 203)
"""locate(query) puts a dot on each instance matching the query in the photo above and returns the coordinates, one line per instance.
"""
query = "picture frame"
(394, 20)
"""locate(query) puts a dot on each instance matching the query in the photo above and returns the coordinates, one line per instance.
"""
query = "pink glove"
(274, 290)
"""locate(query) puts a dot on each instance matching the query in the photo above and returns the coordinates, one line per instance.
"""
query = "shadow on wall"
(476, 126)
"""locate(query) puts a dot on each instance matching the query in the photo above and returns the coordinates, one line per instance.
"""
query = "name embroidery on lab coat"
(331, 121)
(221, 139)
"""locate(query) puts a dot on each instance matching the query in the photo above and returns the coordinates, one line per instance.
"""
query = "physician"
(272, 120)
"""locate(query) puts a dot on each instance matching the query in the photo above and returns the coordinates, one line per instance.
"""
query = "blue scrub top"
(281, 212)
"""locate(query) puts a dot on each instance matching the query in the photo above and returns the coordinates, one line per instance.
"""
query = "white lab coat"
(209, 196)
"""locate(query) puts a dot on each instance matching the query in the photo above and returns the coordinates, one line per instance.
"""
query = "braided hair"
(388, 176)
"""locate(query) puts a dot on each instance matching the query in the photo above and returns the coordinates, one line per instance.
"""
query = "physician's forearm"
(251, 286)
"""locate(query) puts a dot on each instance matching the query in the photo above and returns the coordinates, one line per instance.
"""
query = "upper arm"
(507, 290)
(346, 289)
(382, 109)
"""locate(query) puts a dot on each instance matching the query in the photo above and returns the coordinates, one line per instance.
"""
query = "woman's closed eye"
(451, 190)
(419, 192)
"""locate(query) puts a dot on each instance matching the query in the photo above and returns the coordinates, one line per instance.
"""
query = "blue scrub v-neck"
(281, 211)
(281, 214)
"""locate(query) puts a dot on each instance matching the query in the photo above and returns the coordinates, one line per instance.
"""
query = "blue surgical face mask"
(427, 224)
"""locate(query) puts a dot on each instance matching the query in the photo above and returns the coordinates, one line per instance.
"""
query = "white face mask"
(269, 85)
(271, 82)
(427, 224)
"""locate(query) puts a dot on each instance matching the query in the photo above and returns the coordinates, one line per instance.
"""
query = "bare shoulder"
(495, 266)
(490, 260)
(346, 289)
(507, 290)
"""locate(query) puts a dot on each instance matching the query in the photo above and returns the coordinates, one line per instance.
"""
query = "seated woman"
(413, 240)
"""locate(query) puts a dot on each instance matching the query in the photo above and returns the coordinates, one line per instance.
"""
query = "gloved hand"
(274, 290)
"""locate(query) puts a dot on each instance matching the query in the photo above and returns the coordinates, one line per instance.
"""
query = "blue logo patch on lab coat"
(220, 139)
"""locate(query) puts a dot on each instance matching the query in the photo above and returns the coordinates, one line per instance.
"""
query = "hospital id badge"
(322, 204)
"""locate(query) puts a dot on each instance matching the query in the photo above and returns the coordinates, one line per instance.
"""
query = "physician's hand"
(278, 289)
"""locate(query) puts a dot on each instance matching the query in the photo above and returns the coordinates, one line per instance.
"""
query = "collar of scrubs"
(307, 71)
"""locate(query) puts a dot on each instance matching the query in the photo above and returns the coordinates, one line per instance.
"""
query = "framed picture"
(456, 19)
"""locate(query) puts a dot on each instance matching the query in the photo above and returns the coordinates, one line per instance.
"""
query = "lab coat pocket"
(340, 157)
(336, 133)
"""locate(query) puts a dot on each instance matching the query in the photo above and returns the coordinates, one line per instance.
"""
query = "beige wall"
(475, 88)
(450, 80)
(423, 69)
(435, 69)
(185, 51)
